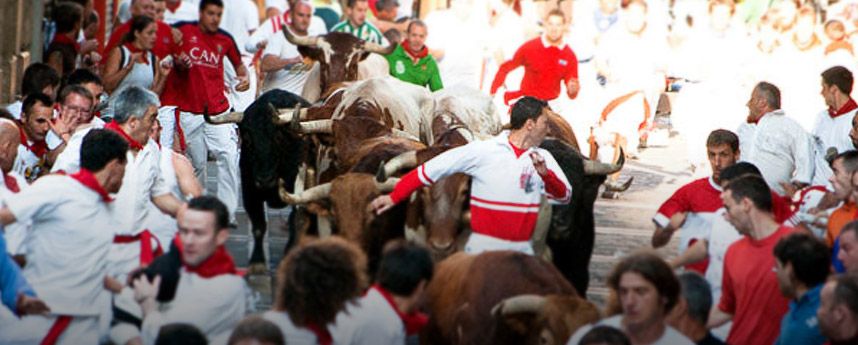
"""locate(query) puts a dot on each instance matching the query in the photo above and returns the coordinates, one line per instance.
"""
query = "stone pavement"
(622, 225)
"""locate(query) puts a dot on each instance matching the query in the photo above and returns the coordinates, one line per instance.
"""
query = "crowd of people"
(109, 237)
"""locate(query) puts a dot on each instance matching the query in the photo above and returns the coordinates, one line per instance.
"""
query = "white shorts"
(479, 243)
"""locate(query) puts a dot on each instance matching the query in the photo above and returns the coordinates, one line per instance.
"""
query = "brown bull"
(502, 297)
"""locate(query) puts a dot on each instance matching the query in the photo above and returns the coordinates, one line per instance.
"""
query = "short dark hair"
(212, 204)
(723, 137)
(257, 328)
(850, 227)
(138, 24)
(770, 93)
(37, 77)
(807, 254)
(839, 76)
(697, 292)
(74, 89)
(403, 266)
(754, 188)
(738, 170)
(204, 3)
(846, 292)
(393, 35)
(180, 334)
(652, 268)
(525, 109)
(82, 76)
(416, 22)
(606, 335)
(850, 160)
(5, 114)
(351, 3)
(99, 147)
(34, 98)
(66, 15)
(382, 5)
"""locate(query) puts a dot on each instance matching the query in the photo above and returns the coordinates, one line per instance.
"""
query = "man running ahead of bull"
(509, 174)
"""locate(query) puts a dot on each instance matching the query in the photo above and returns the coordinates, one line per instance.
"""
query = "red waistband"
(147, 254)
(60, 325)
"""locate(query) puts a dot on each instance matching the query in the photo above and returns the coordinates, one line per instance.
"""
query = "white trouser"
(479, 243)
(32, 329)
(222, 140)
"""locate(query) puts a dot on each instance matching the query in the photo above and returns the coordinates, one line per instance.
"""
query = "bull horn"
(519, 304)
(300, 40)
(285, 116)
(373, 47)
(232, 117)
(599, 168)
(386, 186)
(312, 127)
(316, 193)
(398, 133)
(466, 217)
(405, 160)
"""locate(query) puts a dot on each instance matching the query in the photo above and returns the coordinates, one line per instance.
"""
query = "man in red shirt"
(750, 295)
(547, 61)
(196, 86)
(165, 39)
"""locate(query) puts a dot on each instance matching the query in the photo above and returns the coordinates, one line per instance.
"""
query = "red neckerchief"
(38, 148)
(11, 183)
(173, 8)
(88, 180)
(755, 122)
(133, 144)
(143, 53)
(219, 263)
(518, 152)
(414, 321)
(422, 53)
(63, 39)
(848, 107)
(323, 336)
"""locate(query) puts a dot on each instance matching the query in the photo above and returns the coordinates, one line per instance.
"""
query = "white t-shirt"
(69, 159)
(187, 11)
(162, 225)
(670, 336)
(369, 322)
(240, 17)
(834, 132)
(721, 235)
(295, 335)
(292, 77)
(780, 148)
(273, 25)
(16, 233)
(72, 229)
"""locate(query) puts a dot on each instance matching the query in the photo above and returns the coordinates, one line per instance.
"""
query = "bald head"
(10, 137)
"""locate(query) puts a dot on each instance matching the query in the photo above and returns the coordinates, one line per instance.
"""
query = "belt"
(60, 325)
(145, 237)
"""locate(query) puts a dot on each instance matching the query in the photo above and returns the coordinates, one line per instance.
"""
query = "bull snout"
(265, 183)
(441, 249)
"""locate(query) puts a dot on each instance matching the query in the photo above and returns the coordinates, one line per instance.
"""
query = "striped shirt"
(366, 32)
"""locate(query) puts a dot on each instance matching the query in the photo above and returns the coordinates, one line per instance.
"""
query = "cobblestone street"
(623, 225)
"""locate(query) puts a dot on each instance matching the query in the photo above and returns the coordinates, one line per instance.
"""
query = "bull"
(502, 297)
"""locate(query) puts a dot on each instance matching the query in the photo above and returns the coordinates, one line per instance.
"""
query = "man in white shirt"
(31, 160)
(647, 291)
(273, 25)
(72, 228)
(209, 293)
(240, 19)
(180, 11)
(833, 124)
(75, 105)
(388, 313)
(281, 60)
(12, 184)
(775, 143)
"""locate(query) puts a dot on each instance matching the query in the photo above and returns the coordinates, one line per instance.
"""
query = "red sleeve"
(406, 185)
(572, 70)
(678, 202)
(508, 66)
(233, 54)
(553, 186)
(115, 38)
(727, 303)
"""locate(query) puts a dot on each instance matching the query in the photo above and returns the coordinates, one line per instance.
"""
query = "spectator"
(691, 313)
(180, 334)
(847, 252)
(133, 63)
(68, 244)
(604, 335)
(31, 160)
(387, 16)
(844, 166)
(195, 87)
(284, 65)
(38, 78)
(160, 9)
(800, 260)
(254, 330)
(547, 62)
(314, 284)
(647, 291)
(388, 313)
(411, 61)
(356, 24)
(209, 293)
(749, 295)
(166, 38)
(775, 143)
(833, 125)
(838, 40)
(63, 50)
(75, 106)
(838, 310)
(92, 82)
(270, 28)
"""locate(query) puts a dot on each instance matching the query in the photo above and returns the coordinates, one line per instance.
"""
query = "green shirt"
(366, 32)
(423, 73)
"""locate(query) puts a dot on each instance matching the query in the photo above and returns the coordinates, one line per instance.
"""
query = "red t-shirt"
(164, 44)
(202, 85)
(750, 292)
(544, 68)
(700, 199)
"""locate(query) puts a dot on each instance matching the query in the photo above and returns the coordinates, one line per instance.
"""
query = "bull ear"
(318, 209)
(311, 52)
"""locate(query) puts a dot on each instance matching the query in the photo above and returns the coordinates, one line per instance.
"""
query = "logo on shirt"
(193, 39)
(562, 62)
(525, 180)
(400, 67)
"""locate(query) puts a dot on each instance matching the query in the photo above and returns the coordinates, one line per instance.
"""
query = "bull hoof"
(257, 269)
(619, 187)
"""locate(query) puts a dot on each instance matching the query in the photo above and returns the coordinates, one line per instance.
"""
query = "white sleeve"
(274, 46)
(251, 16)
(39, 199)
(159, 187)
(803, 154)
(261, 34)
(462, 159)
(69, 160)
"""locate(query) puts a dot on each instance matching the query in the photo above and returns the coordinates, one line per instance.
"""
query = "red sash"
(322, 335)
(145, 237)
(414, 321)
(183, 146)
(60, 325)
